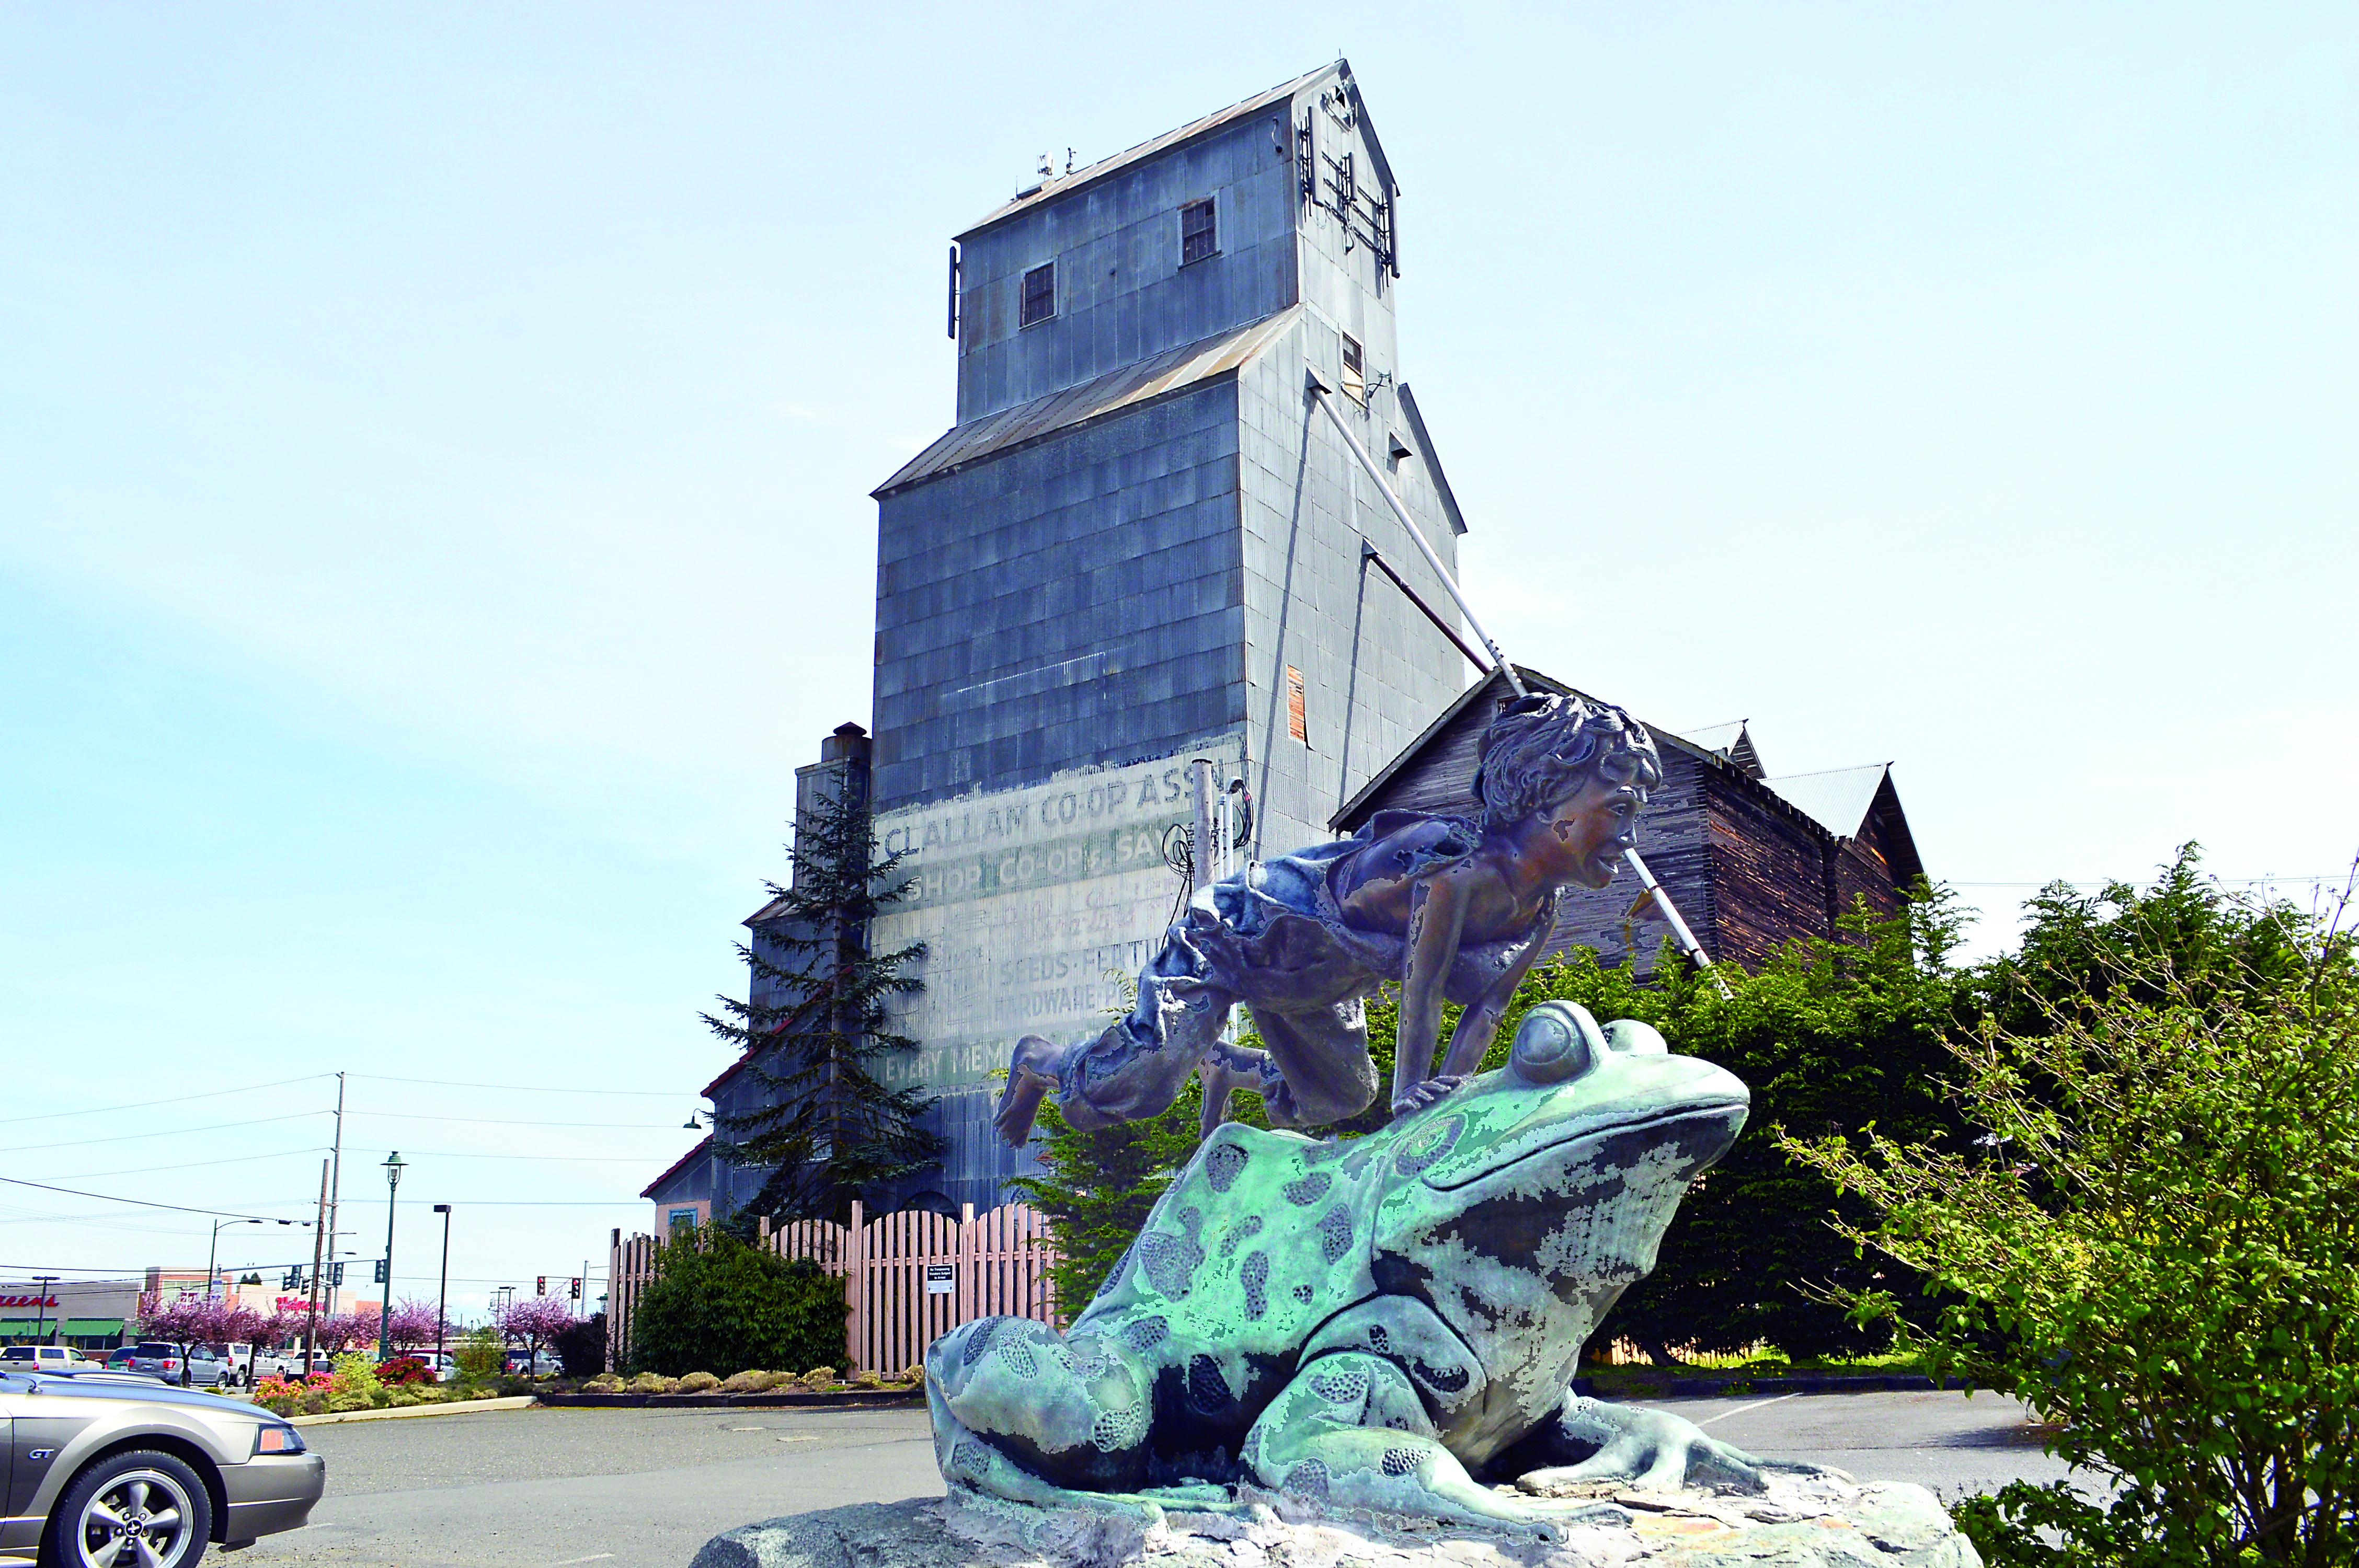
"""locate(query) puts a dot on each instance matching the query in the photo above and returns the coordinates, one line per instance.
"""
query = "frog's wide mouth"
(1514, 1151)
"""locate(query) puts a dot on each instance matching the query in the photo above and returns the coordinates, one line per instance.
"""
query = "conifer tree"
(832, 1131)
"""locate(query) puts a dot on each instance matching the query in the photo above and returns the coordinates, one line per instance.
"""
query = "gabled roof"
(677, 1166)
(1063, 184)
(1173, 371)
(1837, 799)
(1494, 684)
(1732, 742)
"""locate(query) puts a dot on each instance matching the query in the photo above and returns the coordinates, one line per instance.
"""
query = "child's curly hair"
(1543, 748)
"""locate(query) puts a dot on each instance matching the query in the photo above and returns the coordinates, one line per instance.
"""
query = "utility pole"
(41, 1283)
(319, 1240)
(335, 1182)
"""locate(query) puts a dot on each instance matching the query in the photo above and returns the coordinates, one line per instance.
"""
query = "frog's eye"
(1556, 1042)
(1632, 1038)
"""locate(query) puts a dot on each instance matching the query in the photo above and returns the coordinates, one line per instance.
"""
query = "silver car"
(109, 1471)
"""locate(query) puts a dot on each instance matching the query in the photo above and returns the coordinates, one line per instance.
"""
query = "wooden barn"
(1752, 861)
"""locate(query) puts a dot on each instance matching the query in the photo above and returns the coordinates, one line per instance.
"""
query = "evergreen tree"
(832, 1131)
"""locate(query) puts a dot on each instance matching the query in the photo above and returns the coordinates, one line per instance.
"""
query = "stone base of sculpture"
(1819, 1518)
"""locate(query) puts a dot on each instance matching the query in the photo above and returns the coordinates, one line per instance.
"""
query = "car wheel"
(139, 1510)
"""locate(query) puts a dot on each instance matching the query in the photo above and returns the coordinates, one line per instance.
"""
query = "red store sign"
(27, 1301)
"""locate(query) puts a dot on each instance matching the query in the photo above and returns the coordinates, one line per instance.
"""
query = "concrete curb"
(457, 1407)
(1713, 1388)
(886, 1398)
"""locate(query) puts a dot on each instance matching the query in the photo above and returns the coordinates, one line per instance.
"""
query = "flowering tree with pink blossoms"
(534, 1320)
(414, 1325)
(192, 1321)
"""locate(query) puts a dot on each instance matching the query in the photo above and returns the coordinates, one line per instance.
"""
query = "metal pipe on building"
(1200, 860)
(1322, 394)
(1687, 938)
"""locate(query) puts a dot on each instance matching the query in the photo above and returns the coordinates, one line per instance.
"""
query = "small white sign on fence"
(941, 1279)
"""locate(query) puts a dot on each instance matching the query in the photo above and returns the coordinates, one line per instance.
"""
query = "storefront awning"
(68, 1328)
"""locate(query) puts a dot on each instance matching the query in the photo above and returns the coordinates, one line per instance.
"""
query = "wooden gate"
(907, 1277)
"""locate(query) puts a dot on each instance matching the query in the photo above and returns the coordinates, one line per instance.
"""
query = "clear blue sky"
(434, 447)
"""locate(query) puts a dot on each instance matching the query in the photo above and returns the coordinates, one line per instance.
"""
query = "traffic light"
(294, 1280)
(576, 1292)
(377, 1277)
(336, 1276)
(541, 1285)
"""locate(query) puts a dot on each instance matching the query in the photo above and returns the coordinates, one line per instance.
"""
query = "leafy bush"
(582, 1349)
(480, 1357)
(716, 1304)
(404, 1370)
(2154, 1243)
(354, 1384)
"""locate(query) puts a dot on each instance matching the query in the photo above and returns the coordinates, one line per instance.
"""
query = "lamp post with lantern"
(393, 1168)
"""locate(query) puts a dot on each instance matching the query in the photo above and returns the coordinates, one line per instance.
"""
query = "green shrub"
(480, 1357)
(354, 1384)
(2154, 1246)
(720, 1306)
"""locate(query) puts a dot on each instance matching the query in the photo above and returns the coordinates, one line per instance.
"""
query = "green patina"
(1372, 1324)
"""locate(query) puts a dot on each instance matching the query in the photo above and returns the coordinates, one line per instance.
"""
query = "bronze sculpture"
(1449, 907)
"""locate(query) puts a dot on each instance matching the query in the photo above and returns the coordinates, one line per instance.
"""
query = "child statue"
(1451, 908)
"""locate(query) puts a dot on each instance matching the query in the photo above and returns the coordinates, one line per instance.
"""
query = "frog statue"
(1371, 1323)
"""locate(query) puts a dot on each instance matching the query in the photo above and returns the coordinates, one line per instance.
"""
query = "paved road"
(635, 1488)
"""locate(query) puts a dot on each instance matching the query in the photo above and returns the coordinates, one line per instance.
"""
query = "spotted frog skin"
(1373, 1323)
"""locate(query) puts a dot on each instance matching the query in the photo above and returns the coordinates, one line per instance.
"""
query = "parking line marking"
(594, 1557)
(1753, 1406)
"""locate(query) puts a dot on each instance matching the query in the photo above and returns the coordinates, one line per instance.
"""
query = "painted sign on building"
(1037, 907)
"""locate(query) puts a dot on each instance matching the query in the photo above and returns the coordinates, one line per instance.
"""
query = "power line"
(175, 1099)
(167, 1132)
(508, 1121)
(136, 1203)
(454, 1154)
(531, 1088)
(193, 1164)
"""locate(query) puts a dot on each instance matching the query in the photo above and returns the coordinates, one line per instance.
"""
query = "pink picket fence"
(907, 1277)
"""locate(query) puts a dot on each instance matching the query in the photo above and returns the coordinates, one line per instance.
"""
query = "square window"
(1356, 371)
(1198, 236)
(1040, 293)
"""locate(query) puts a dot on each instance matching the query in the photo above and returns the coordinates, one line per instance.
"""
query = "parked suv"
(206, 1370)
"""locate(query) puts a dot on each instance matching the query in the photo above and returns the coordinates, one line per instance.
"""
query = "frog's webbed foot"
(1429, 1092)
(1031, 1074)
(1350, 1430)
(1644, 1448)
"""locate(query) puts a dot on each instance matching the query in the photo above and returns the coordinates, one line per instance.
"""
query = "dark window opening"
(1356, 371)
(1198, 237)
(1040, 293)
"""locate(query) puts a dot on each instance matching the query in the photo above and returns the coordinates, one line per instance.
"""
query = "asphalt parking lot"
(639, 1489)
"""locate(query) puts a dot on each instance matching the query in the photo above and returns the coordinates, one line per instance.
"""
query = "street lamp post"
(442, 1299)
(212, 1253)
(393, 1166)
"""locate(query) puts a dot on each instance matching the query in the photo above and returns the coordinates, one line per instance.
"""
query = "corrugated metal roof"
(1171, 371)
(1838, 799)
(1050, 190)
